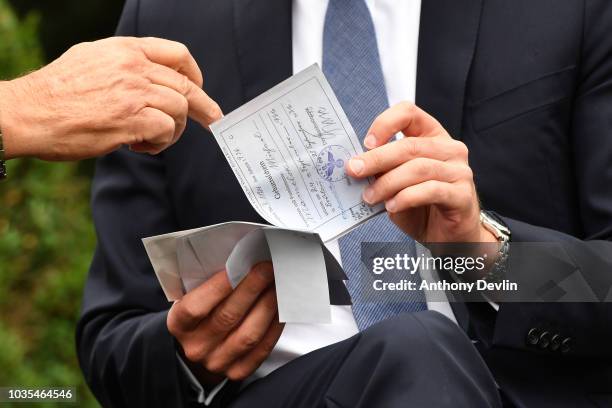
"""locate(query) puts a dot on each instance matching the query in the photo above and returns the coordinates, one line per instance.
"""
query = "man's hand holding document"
(288, 149)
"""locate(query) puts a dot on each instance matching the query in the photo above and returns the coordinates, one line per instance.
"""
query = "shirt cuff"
(202, 397)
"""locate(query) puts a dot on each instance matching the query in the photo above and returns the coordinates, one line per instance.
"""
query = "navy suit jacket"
(526, 84)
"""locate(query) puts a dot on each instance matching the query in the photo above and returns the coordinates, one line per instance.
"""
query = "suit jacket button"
(566, 345)
(544, 340)
(533, 337)
(555, 342)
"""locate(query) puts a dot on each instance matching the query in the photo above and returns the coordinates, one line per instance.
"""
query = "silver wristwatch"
(496, 227)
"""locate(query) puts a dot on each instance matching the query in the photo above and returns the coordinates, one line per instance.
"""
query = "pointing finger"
(201, 107)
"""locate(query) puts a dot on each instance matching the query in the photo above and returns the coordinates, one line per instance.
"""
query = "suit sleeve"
(588, 257)
(125, 351)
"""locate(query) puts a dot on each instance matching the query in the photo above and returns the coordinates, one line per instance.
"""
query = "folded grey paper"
(300, 276)
(308, 278)
(162, 253)
(212, 247)
(249, 251)
(191, 271)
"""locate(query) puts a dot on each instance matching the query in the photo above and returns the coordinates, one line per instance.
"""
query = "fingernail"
(368, 194)
(390, 205)
(370, 141)
(357, 166)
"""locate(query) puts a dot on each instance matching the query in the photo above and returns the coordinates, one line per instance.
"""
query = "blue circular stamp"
(331, 161)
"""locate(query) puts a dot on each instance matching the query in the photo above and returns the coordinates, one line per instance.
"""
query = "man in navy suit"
(523, 87)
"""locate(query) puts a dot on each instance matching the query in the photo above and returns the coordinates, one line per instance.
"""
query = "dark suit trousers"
(413, 360)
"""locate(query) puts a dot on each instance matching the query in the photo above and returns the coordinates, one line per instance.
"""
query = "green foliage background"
(46, 235)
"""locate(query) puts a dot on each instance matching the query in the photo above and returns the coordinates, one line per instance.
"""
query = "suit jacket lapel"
(263, 43)
(447, 41)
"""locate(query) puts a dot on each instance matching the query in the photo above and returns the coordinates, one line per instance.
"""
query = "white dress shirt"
(397, 33)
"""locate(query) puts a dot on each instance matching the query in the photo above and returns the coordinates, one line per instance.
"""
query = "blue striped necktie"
(352, 65)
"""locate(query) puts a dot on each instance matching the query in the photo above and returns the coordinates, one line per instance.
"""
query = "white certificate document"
(288, 149)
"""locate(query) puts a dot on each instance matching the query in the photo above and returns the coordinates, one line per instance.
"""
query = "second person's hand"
(101, 95)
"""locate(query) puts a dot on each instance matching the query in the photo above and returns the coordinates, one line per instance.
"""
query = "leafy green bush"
(46, 243)
(19, 49)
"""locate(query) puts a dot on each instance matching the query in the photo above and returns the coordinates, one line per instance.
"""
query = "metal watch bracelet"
(497, 273)
(498, 270)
